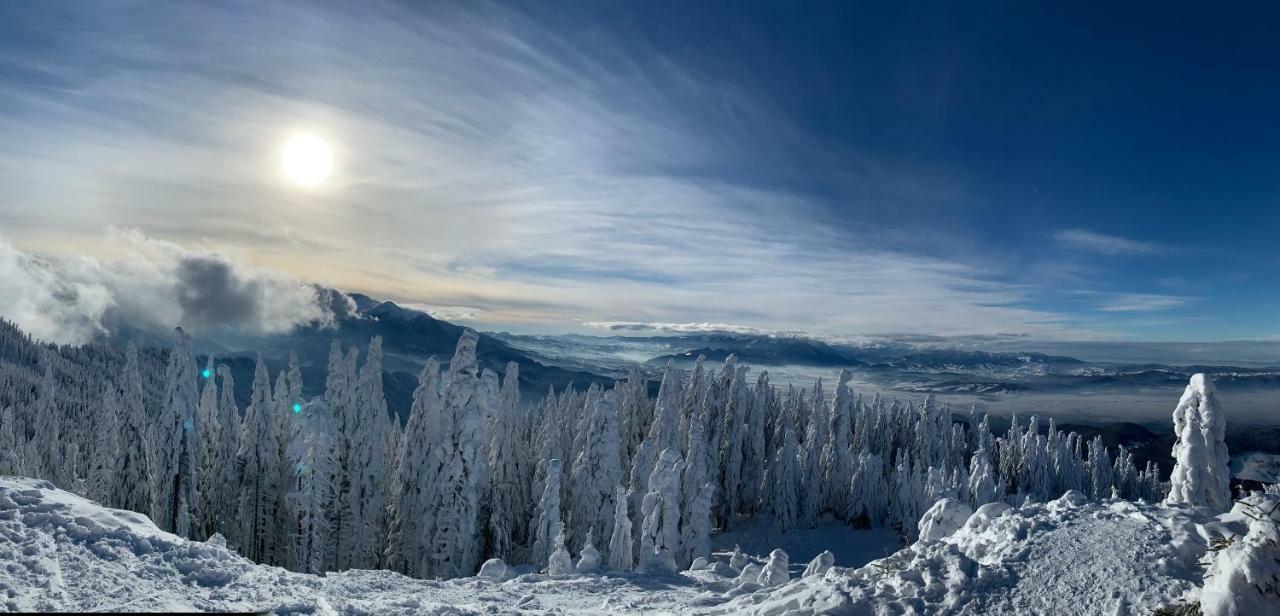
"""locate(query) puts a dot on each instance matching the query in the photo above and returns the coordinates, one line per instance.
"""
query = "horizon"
(859, 171)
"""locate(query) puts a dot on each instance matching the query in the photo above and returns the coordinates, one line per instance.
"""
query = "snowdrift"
(1069, 556)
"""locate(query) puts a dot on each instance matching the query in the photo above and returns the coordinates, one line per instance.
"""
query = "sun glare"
(307, 160)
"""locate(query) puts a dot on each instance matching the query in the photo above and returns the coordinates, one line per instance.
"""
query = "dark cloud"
(211, 294)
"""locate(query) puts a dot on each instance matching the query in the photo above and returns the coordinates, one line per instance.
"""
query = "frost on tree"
(255, 465)
(664, 433)
(596, 472)
(135, 461)
(173, 490)
(660, 510)
(465, 474)
(1244, 578)
(1200, 474)
(620, 548)
(414, 493)
(104, 475)
(508, 465)
(310, 499)
(48, 429)
(548, 516)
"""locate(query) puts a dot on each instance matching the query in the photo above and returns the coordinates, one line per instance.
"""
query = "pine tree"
(692, 483)
(811, 457)
(547, 516)
(173, 492)
(255, 464)
(754, 455)
(366, 462)
(785, 481)
(867, 494)
(660, 533)
(309, 500)
(597, 471)
(47, 439)
(735, 419)
(664, 433)
(1200, 475)
(837, 457)
(414, 495)
(104, 466)
(508, 488)
(465, 476)
(135, 460)
(620, 542)
(11, 459)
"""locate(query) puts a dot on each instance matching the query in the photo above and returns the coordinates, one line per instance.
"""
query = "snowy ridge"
(1067, 556)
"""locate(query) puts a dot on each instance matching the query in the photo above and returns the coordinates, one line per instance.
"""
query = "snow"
(1244, 577)
(1201, 476)
(1068, 556)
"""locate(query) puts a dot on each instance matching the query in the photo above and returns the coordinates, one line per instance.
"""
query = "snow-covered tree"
(730, 455)
(695, 527)
(414, 495)
(597, 471)
(47, 439)
(983, 483)
(207, 460)
(465, 474)
(784, 481)
(1200, 474)
(867, 491)
(755, 456)
(11, 446)
(620, 542)
(660, 532)
(559, 563)
(255, 464)
(547, 516)
(635, 411)
(173, 490)
(508, 497)
(664, 433)
(837, 458)
(104, 463)
(135, 461)
(815, 441)
(693, 481)
(310, 499)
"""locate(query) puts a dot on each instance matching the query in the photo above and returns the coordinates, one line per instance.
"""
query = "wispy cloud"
(483, 161)
(1108, 244)
(679, 328)
(1143, 302)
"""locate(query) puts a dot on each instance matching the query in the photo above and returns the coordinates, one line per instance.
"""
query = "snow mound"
(1064, 557)
(60, 552)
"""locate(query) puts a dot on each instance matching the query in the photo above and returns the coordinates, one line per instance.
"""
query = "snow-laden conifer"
(173, 490)
(1200, 474)
(620, 542)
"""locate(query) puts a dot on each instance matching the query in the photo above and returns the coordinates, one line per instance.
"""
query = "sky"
(1015, 169)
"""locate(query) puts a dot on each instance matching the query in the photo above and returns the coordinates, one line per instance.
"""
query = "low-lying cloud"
(154, 285)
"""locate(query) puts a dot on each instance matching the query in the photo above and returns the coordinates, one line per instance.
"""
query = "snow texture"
(1068, 556)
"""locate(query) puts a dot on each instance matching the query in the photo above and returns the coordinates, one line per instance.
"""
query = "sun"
(307, 159)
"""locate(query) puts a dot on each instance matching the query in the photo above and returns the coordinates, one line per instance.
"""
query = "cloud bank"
(152, 285)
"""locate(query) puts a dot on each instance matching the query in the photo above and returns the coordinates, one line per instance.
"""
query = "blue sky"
(844, 169)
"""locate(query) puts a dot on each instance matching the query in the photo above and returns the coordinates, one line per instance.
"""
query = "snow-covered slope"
(61, 552)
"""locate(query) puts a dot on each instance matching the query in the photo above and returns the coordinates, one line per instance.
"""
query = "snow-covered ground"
(62, 552)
